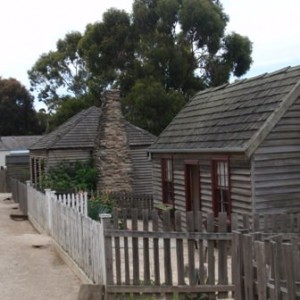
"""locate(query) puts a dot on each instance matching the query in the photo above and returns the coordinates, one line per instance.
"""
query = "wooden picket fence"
(19, 193)
(125, 200)
(3, 181)
(77, 201)
(186, 255)
(142, 259)
(275, 223)
(267, 259)
(80, 237)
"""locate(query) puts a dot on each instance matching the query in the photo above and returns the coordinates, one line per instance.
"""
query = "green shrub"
(102, 203)
(71, 177)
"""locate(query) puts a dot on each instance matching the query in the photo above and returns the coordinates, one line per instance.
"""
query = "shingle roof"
(11, 143)
(138, 136)
(80, 131)
(232, 117)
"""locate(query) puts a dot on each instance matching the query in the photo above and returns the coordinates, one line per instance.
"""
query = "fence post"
(49, 194)
(107, 255)
(85, 206)
(260, 255)
(237, 265)
(29, 208)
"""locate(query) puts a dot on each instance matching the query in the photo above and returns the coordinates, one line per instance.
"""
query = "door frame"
(187, 183)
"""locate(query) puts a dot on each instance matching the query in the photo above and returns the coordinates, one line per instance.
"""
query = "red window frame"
(221, 185)
(167, 180)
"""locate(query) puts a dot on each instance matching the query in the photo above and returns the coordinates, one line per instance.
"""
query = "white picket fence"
(37, 208)
(76, 201)
(65, 218)
(40, 205)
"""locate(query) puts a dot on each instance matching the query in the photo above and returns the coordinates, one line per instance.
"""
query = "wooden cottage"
(233, 148)
(75, 141)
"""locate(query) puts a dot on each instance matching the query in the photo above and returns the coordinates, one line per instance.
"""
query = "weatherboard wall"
(142, 167)
(240, 176)
(71, 155)
(276, 166)
(142, 170)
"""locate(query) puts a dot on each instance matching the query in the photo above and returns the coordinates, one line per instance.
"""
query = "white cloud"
(30, 28)
(272, 26)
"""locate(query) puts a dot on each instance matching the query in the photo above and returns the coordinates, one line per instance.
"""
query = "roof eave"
(199, 150)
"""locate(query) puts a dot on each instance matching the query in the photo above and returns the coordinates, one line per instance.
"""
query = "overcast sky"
(32, 27)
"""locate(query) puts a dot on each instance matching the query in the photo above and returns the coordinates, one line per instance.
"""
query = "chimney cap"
(113, 94)
(112, 91)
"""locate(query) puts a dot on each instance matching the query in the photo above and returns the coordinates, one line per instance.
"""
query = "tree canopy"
(159, 56)
(18, 116)
(60, 73)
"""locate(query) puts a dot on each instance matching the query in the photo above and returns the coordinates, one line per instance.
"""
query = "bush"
(71, 177)
(102, 203)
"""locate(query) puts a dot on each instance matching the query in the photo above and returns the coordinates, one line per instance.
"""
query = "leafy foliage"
(71, 176)
(102, 203)
(66, 109)
(147, 100)
(173, 48)
(18, 116)
(60, 73)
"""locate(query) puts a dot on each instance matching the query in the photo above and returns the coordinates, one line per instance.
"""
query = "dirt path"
(29, 267)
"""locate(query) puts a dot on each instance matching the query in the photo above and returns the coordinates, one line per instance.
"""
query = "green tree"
(151, 106)
(61, 74)
(108, 47)
(188, 37)
(18, 116)
(178, 46)
(67, 108)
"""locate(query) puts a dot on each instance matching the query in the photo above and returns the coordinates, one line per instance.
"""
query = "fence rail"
(132, 200)
(160, 255)
(163, 262)
(266, 266)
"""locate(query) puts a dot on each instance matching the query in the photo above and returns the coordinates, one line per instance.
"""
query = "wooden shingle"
(11, 143)
(233, 117)
(80, 132)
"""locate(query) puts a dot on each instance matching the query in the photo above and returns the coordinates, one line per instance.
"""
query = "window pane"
(222, 173)
(169, 170)
(226, 174)
(221, 186)
(167, 181)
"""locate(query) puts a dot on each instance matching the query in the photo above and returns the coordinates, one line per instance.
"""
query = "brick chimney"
(113, 157)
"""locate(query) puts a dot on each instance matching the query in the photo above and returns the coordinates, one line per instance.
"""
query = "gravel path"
(29, 267)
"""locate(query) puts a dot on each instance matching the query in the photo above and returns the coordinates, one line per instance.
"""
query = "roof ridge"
(283, 70)
(246, 80)
(253, 107)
